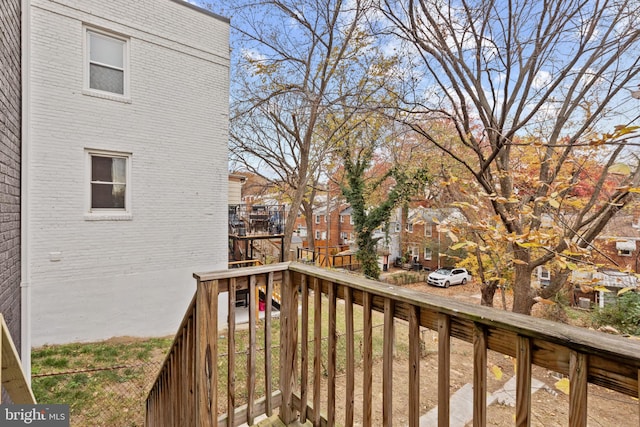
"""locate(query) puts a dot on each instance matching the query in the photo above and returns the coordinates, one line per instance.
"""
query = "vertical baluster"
(578, 371)
(207, 353)
(288, 345)
(479, 376)
(268, 381)
(304, 350)
(367, 350)
(317, 349)
(387, 363)
(231, 354)
(191, 369)
(251, 356)
(350, 366)
(331, 363)
(444, 369)
(414, 366)
(523, 381)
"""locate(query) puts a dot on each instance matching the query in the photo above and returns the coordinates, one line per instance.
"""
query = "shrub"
(624, 314)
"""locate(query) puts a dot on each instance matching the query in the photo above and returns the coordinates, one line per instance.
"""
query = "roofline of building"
(202, 10)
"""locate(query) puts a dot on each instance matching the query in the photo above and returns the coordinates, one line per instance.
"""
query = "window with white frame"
(109, 178)
(428, 254)
(341, 219)
(351, 219)
(317, 219)
(106, 63)
(427, 230)
(397, 227)
(409, 227)
(343, 236)
(317, 234)
(544, 274)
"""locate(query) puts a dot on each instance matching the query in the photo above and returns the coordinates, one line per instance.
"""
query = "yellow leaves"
(563, 385)
(601, 288)
(634, 190)
(586, 289)
(459, 245)
(543, 301)
(497, 372)
(624, 291)
(554, 203)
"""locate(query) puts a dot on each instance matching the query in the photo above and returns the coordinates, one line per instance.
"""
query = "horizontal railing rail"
(11, 374)
(304, 387)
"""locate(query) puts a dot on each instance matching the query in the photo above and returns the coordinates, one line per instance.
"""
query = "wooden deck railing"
(11, 374)
(191, 389)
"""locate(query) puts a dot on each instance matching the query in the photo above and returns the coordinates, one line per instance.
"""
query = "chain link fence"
(109, 396)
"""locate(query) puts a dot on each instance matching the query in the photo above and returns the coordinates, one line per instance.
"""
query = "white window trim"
(86, 90)
(428, 254)
(317, 219)
(409, 227)
(544, 274)
(427, 230)
(107, 214)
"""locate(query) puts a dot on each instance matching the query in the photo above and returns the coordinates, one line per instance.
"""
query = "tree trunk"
(308, 218)
(488, 291)
(522, 293)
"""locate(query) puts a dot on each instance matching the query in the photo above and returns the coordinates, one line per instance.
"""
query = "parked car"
(449, 276)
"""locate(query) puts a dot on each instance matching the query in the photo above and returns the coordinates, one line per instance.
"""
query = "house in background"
(422, 238)
(10, 167)
(128, 177)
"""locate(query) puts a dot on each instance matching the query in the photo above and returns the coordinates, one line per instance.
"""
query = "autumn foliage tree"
(554, 76)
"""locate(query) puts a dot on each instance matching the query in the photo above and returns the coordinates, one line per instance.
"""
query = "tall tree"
(296, 60)
(369, 213)
(554, 71)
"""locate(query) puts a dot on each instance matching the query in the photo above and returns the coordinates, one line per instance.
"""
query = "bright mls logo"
(34, 415)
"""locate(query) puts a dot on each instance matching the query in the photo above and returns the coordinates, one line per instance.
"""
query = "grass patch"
(103, 383)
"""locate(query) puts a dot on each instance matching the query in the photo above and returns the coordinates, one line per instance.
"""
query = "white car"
(449, 276)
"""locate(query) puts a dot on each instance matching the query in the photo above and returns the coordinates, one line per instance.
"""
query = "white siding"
(96, 279)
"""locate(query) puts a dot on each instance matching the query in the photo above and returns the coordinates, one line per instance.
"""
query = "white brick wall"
(128, 277)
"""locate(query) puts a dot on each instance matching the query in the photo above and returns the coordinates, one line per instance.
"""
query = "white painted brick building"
(127, 164)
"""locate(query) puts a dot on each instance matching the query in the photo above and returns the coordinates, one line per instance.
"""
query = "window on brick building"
(106, 63)
(109, 190)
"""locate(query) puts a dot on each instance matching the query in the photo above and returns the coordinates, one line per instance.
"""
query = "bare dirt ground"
(550, 405)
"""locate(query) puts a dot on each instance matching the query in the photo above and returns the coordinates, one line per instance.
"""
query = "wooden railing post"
(13, 381)
(523, 382)
(288, 346)
(207, 353)
(479, 376)
(578, 389)
(444, 369)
